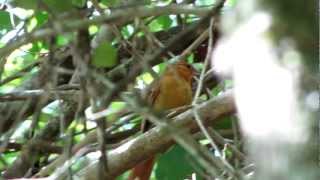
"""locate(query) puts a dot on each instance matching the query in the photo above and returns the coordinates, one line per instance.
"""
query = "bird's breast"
(174, 92)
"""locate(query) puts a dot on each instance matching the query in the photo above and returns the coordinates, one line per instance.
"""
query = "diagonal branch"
(156, 140)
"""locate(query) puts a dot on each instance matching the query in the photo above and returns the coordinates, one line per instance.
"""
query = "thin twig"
(120, 16)
(194, 44)
(229, 168)
(25, 95)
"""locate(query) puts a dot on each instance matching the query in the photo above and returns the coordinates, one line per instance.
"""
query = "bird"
(171, 90)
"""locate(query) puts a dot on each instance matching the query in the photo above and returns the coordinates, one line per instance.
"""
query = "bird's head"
(183, 69)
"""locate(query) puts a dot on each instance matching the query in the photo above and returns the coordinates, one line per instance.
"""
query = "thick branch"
(157, 139)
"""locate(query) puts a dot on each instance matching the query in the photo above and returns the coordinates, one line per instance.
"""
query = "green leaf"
(59, 5)
(109, 2)
(160, 23)
(56, 6)
(79, 3)
(165, 21)
(205, 2)
(104, 56)
(41, 17)
(5, 20)
(224, 123)
(227, 152)
(10, 157)
(25, 4)
(64, 39)
(127, 31)
(174, 165)
(36, 47)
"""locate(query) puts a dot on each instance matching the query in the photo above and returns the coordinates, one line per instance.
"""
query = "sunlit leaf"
(164, 21)
(160, 23)
(127, 31)
(36, 47)
(205, 2)
(64, 39)
(42, 18)
(93, 29)
(10, 157)
(32, 24)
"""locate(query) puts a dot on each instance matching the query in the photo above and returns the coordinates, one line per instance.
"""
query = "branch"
(12, 112)
(25, 95)
(155, 140)
(118, 17)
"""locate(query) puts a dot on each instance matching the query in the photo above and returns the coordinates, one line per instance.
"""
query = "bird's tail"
(143, 170)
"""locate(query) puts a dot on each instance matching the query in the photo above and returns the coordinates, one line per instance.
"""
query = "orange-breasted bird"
(171, 90)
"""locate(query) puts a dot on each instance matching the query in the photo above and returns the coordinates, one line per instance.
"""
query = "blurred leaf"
(117, 105)
(5, 22)
(79, 137)
(104, 56)
(52, 108)
(217, 89)
(64, 39)
(166, 1)
(164, 21)
(160, 23)
(28, 58)
(224, 123)
(228, 83)
(41, 17)
(147, 78)
(205, 2)
(232, 2)
(190, 58)
(80, 163)
(161, 67)
(56, 6)
(25, 4)
(227, 152)
(44, 117)
(109, 2)
(10, 157)
(127, 31)
(93, 29)
(59, 5)
(36, 47)
(32, 24)
(79, 3)
(173, 165)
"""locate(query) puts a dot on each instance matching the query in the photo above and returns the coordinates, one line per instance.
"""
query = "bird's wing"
(151, 95)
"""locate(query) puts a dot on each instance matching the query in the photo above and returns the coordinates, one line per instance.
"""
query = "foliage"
(48, 92)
